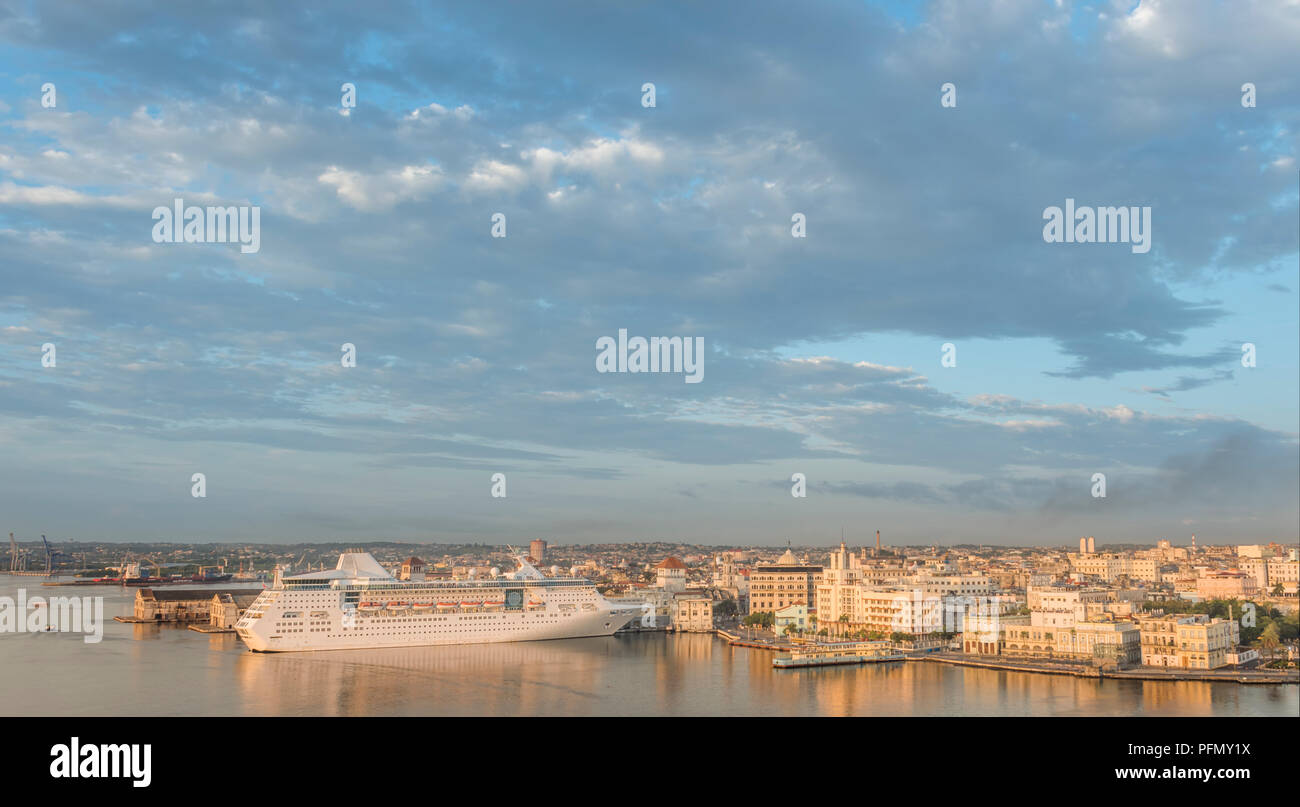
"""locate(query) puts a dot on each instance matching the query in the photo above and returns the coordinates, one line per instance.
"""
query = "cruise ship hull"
(465, 629)
(359, 605)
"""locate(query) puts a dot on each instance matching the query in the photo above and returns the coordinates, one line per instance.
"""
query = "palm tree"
(1269, 639)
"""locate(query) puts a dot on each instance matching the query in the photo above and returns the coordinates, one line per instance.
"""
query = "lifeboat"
(422, 606)
(370, 606)
(446, 605)
(470, 604)
(493, 603)
(394, 606)
(534, 603)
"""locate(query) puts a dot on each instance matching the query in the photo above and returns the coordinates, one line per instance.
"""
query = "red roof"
(671, 563)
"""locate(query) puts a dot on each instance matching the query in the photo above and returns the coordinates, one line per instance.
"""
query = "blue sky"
(476, 355)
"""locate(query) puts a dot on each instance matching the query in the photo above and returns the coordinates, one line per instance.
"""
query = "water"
(168, 670)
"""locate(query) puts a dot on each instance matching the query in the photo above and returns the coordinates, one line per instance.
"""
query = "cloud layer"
(475, 354)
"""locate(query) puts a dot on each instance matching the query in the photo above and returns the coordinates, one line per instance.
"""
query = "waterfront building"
(1106, 640)
(795, 615)
(692, 611)
(1187, 641)
(984, 633)
(226, 609)
(178, 604)
(783, 583)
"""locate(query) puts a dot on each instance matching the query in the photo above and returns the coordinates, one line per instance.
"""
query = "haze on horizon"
(475, 355)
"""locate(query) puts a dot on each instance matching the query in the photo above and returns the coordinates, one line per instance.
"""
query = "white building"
(670, 575)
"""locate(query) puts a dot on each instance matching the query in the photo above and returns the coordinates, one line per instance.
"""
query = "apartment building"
(1187, 641)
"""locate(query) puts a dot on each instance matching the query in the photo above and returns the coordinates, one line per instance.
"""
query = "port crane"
(17, 558)
(129, 560)
(52, 555)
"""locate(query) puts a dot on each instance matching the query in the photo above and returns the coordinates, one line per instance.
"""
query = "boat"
(210, 577)
(834, 653)
(523, 605)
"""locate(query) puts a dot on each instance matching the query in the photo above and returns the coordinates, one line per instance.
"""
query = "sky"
(823, 355)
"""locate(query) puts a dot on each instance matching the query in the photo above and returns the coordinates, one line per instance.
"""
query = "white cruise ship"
(359, 604)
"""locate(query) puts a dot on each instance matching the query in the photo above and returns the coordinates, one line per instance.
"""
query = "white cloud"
(382, 191)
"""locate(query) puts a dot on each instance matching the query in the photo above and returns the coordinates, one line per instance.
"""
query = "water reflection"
(167, 670)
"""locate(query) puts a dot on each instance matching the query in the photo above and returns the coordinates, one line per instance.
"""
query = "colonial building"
(1187, 641)
(783, 583)
(226, 609)
(178, 604)
(1118, 642)
(692, 611)
(670, 575)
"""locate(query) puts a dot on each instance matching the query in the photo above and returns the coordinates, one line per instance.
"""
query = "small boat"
(493, 603)
(446, 605)
(422, 606)
(395, 606)
(370, 606)
(470, 604)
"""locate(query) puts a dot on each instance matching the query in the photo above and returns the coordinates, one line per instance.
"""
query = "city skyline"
(823, 353)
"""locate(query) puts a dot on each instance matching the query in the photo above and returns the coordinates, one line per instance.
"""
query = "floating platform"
(210, 629)
(831, 654)
(830, 661)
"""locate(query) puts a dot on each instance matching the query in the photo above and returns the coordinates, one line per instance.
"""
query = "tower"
(1083, 546)
(1091, 546)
